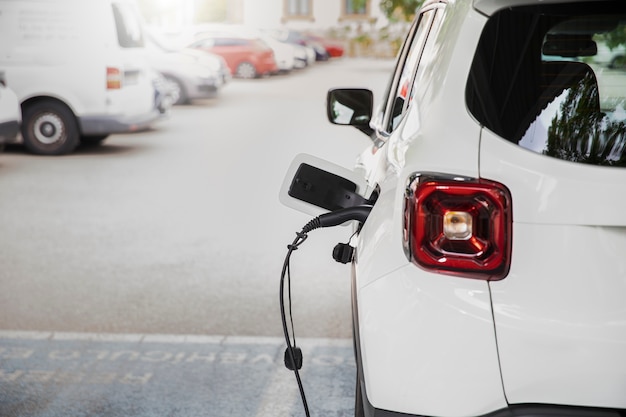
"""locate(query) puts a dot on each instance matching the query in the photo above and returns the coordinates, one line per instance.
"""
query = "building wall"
(326, 15)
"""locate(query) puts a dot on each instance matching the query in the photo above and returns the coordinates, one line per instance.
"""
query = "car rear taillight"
(459, 226)
(114, 78)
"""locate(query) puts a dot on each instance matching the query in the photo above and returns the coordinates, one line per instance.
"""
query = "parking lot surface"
(78, 374)
(140, 277)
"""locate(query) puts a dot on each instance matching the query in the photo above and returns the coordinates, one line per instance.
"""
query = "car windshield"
(560, 88)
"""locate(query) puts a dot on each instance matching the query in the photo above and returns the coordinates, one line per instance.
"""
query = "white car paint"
(10, 114)
(552, 332)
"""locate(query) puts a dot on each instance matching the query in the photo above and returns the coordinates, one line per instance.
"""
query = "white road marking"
(169, 338)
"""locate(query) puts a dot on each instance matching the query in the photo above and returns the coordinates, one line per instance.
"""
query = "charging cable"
(293, 354)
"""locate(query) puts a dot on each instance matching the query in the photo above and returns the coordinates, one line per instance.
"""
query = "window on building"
(298, 8)
(356, 7)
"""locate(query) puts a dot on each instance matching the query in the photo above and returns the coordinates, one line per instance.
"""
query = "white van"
(10, 114)
(78, 70)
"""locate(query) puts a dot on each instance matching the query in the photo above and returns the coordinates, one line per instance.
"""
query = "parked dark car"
(334, 48)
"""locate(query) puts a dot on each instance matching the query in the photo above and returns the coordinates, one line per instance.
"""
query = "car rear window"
(552, 79)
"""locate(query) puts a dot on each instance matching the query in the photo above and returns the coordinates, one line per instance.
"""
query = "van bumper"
(107, 124)
(9, 131)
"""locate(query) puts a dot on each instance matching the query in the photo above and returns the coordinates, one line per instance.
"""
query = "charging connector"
(337, 217)
(293, 354)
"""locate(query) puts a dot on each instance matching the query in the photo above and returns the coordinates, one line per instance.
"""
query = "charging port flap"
(315, 186)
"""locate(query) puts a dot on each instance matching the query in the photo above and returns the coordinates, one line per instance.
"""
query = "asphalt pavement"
(110, 375)
(140, 277)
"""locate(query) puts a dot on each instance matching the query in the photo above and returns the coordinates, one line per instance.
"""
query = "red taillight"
(114, 78)
(459, 226)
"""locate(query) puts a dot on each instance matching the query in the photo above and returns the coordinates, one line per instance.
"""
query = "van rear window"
(129, 33)
(552, 79)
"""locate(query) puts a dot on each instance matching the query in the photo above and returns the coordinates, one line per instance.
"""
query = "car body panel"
(560, 316)
(405, 315)
(564, 295)
(449, 320)
(10, 114)
(551, 191)
(428, 317)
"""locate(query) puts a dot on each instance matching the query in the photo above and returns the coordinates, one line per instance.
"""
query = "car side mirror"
(351, 107)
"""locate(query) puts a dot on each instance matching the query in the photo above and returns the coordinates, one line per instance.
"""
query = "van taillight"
(459, 226)
(114, 78)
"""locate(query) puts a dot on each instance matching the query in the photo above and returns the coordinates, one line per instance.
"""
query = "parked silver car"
(192, 74)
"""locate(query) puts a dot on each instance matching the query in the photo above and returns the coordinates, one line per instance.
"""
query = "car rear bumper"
(208, 89)
(525, 410)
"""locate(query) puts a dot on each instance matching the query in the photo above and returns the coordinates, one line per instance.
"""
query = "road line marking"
(282, 392)
(168, 338)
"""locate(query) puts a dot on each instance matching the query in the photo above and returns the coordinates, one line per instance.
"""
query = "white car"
(10, 114)
(489, 276)
(304, 53)
(284, 53)
(614, 58)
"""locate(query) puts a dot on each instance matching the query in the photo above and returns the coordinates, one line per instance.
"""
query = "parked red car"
(246, 58)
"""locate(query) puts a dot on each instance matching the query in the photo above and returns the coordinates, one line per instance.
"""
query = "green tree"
(616, 37)
(402, 10)
(581, 133)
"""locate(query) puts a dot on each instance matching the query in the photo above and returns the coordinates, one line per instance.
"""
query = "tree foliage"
(581, 133)
(616, 38)
(403, 10)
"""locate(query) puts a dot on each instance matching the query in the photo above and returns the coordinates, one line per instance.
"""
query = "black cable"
(293, 355)
(300, 238)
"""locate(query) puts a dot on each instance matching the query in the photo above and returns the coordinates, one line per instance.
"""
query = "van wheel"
(49, 128)
(246, 70)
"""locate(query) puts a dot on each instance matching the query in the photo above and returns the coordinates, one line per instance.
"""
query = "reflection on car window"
(558, 90)
(403, 93)
(426, 68)
(343, 114)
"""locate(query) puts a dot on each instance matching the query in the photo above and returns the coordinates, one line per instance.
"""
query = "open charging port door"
(315, 186)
